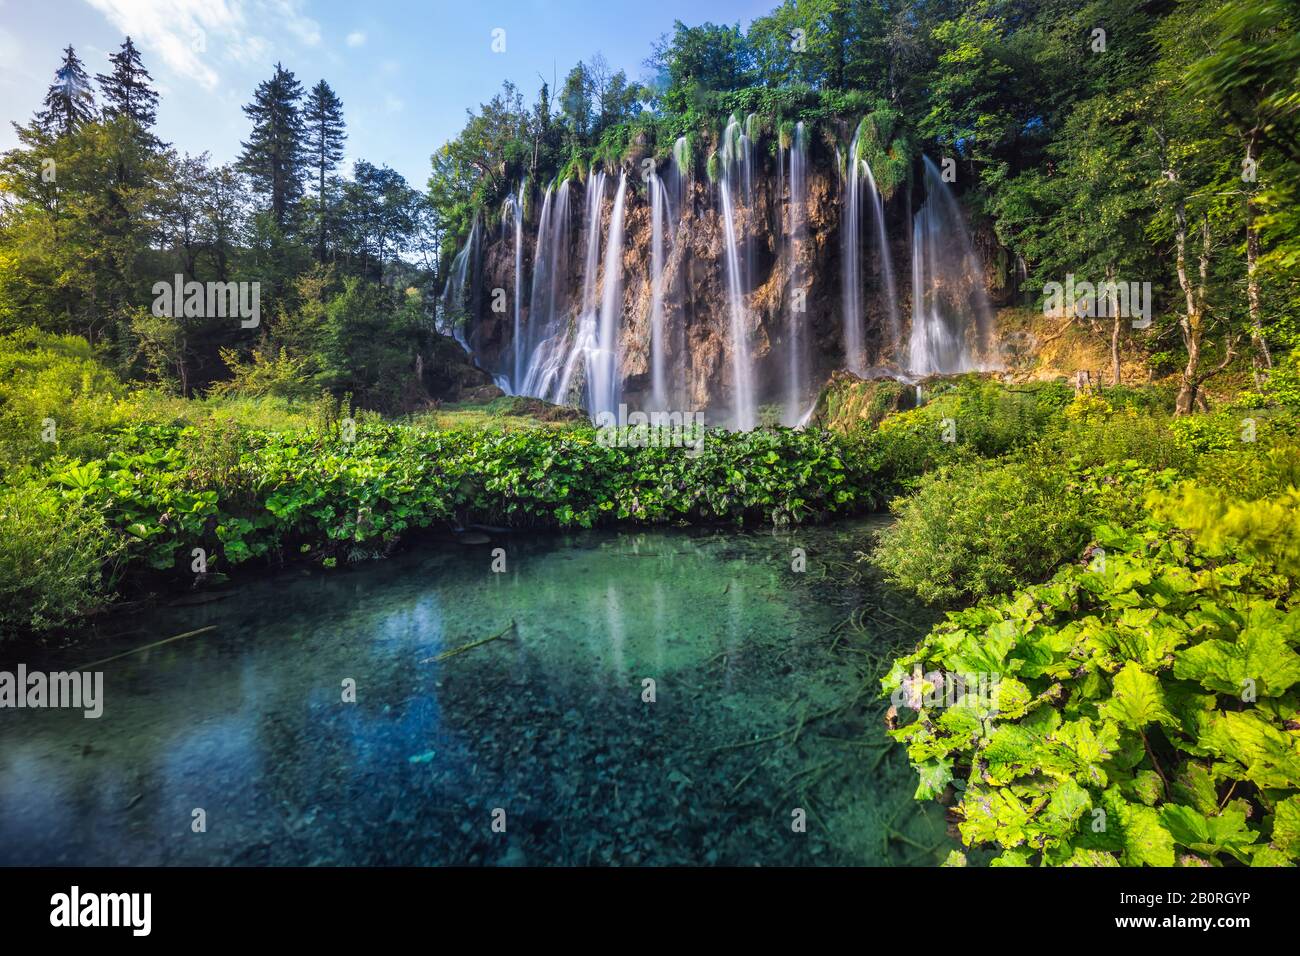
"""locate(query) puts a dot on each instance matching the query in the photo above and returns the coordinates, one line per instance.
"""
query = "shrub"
(57, 559)
(976, 529)
(1145, 704)
(52, 385)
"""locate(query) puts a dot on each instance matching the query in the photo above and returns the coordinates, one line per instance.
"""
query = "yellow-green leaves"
(1137, 699)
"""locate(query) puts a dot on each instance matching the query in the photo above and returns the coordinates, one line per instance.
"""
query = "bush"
(976, 529)
(57, 559)
(246, 494)
(1145, 704)
(55, 398)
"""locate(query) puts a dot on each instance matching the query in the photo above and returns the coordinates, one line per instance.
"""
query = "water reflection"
(247, 721)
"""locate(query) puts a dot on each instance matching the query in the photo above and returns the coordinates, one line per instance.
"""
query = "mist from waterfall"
(735, 160)
(796, 307)
(950, 306)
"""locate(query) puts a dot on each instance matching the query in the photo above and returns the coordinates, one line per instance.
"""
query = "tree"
(325, 133)
(185, 196)
(575, 102)
(127, 92)
(1199, 201)
(710, 56)
(224, 200)
(380, 212)
(1249, 77)
(70, 102)
(1086, 210)
(273, 156)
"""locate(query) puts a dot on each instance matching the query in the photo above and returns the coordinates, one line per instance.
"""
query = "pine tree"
(70, 101)
(324, 146)
(273, 156)
(127, 91)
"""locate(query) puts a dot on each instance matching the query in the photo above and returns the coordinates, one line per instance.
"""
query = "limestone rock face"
(447, 374)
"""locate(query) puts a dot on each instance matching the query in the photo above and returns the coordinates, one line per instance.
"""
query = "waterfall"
(584, 334)
(855, 170)
(602, 361)
(797, 366)
(949, 302)
(658, 221)
(886, 263)
(514, 206)
(735, 161)
(680, 170)
(454, 317)
(548, 327)
(851, 259)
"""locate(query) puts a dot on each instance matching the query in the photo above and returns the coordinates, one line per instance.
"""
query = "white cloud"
(192, 37)
(394, 105)
(356, 38)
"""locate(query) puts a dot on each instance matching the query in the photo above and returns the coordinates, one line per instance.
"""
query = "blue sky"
(406, 71)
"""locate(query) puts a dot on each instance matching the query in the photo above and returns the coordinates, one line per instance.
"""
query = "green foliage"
(57, 559)
(886, 147)
(1146, 697)
(962, 419)
(975, 528)
(246, 495)
(55, 398)
(978, 529)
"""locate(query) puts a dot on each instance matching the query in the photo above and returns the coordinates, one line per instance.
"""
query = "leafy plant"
(1146, 710)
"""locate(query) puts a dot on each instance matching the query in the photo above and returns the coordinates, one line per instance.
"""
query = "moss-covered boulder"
(848, 402)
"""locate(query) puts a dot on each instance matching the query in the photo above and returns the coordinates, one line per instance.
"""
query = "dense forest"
(1106, 517)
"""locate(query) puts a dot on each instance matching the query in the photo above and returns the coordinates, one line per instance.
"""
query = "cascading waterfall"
(855, 170)
(851, 251)
(584, 334)
(659, 221)
(454, 318)
(734, 172)
(568, 340)
(886, 263)
(514, 207)
(949, 302)
(603, 361)
(548, 326)
(797, 366)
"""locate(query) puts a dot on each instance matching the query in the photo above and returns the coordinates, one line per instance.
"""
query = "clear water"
(247, 721)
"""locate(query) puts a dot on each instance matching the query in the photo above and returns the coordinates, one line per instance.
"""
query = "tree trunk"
(1114, 349)
(1261, 359)
(1192, 325)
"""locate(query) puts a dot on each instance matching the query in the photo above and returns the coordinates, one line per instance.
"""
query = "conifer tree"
(325, 134)
(273, 157)
(127, 91)
(70, 101)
